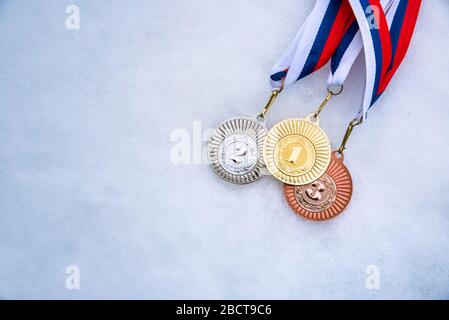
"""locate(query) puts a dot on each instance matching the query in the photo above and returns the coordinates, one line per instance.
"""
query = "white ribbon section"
(370, 58)
(295, 57)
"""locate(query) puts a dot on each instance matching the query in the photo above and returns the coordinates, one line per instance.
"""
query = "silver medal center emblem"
(238, 154)
(235, 150)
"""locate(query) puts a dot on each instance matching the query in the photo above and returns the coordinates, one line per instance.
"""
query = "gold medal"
(298, 151)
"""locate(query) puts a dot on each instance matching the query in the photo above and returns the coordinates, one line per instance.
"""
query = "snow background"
(86, 177)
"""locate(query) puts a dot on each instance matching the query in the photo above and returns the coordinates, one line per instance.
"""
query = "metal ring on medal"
(235, 150)
(297, 151)
(325, 197)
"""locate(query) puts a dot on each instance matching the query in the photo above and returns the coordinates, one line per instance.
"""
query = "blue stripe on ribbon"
(375, 36)
(396, 27)
(279, 76)
(395, 33)
(321, 38)
(343, 46)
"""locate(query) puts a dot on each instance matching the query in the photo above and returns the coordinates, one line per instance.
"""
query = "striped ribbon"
(385, 47)
(315, 43)
(339, 29)
(331, 30)
(348, 50)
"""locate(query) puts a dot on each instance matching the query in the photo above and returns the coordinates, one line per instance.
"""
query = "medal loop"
(335, 92)
(270, 102)
(330, 94)
(351, 126)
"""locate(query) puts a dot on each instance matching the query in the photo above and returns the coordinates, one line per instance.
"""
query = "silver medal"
(235, 150)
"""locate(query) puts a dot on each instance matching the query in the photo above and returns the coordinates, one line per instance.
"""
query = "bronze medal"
(325, 197)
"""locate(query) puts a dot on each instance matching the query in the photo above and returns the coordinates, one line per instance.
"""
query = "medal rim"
(344, 189)
(257, 171)
(324, 157)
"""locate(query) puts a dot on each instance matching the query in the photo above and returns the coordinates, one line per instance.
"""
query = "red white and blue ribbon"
(385, 45)
(338, 29)
(331, 30)
(315, 43)
(348, 50)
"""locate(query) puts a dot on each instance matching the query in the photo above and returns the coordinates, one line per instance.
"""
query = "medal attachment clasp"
(262, 115)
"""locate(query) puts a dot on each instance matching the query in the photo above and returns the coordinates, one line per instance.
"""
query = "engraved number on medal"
(294, 156)
(238, 154)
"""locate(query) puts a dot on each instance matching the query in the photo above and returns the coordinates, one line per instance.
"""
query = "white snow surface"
(89, 118)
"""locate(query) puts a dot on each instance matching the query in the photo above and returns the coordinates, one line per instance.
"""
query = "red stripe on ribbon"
(385, 39)
(342, 22)
(408, 27)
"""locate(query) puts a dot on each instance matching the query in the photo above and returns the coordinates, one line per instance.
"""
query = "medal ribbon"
(315, 42)
(348, 50)
(385, 45)
(338, 29)
(331, 30)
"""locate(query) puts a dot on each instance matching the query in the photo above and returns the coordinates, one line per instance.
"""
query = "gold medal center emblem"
(297, 151)
(294, 155)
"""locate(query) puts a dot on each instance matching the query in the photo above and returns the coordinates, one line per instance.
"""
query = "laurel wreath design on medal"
(297, 151)
(235, 150)
(324, 198)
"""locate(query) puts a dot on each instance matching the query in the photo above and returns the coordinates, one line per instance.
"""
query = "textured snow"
(86, 118)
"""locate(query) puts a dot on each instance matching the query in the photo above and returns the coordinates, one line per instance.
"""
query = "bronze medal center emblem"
(325, 197)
